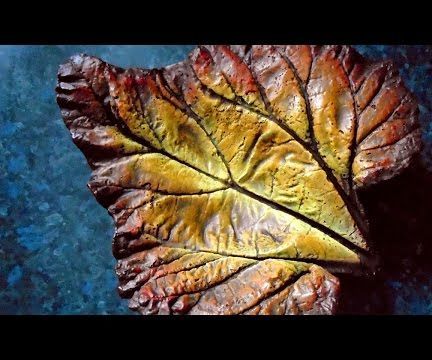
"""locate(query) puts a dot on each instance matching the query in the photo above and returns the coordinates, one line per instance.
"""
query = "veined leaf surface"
(232, 176)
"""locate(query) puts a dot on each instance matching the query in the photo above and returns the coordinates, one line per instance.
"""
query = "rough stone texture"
(52, 259)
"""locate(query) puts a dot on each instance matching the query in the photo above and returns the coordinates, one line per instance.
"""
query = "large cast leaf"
(229, 174)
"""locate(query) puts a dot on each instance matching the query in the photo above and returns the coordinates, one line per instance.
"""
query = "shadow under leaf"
(399, 211)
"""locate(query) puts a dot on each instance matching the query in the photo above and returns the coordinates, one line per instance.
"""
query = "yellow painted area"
(229, 223)
(266, 160)
(182, 137)
(159, 173)
(167, 127)
(130, 110)
(113, 138)
(219, 85)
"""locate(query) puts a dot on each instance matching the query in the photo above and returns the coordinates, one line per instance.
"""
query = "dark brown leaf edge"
(232, 177)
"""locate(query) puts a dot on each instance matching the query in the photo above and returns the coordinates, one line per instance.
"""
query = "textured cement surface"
(55, 240)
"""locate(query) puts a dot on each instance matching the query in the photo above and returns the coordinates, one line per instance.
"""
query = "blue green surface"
(55, 240)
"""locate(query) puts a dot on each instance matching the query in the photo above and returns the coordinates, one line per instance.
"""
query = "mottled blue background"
(55, 240)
